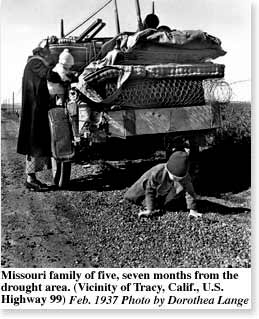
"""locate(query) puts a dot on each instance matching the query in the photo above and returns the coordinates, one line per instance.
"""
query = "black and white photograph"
(126, 134)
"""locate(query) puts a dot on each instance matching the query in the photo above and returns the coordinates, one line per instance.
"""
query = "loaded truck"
(137, 93)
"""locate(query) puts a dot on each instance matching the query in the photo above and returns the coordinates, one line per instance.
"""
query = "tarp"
(174, 46)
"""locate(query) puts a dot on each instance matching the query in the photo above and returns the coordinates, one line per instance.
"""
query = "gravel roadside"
(89, 225)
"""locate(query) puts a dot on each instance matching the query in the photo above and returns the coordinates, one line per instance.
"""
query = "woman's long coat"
(34, 133)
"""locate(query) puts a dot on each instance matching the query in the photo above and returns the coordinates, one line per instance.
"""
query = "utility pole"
(153, 7)
(62, 28)
(13, 102)
(117, 22)
(140, 24)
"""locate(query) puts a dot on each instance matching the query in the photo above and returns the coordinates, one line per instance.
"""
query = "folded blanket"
(169, 45)
(192, 39)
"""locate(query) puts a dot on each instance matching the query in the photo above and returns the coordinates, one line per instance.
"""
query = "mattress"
(95, 75)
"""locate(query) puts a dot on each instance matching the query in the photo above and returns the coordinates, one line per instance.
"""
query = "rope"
(92, 15)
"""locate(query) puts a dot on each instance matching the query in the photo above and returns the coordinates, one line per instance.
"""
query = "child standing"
(60, 77)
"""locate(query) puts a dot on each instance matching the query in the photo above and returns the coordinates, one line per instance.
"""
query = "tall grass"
(236, 124)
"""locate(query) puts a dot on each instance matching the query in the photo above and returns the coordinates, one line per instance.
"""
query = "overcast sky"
(25, 22)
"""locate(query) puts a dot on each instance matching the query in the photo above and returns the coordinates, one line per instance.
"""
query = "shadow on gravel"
(112, 178)
(221, 169)
(205, 206)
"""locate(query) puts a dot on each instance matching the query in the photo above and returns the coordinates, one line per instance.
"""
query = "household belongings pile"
(156, 47)
(152, 69)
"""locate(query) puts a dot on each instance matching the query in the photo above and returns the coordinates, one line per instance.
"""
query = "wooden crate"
(134, 122)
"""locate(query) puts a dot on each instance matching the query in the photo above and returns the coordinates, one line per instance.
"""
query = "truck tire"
(61, 172)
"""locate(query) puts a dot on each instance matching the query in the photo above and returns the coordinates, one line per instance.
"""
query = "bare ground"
(88, 225)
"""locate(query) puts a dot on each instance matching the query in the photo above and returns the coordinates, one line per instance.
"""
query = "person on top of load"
(151, 21)
(163, 183)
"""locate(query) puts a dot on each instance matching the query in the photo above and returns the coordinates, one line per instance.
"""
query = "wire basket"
(159, 92)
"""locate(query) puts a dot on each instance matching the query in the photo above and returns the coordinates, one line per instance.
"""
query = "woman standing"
(34, 133)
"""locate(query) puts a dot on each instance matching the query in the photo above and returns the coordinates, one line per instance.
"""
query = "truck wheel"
(61, 172)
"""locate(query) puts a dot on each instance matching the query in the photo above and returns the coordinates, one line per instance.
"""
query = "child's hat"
(66, 57)
(178, 163)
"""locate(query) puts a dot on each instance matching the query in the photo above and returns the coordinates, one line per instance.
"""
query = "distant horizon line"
(19, 104)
